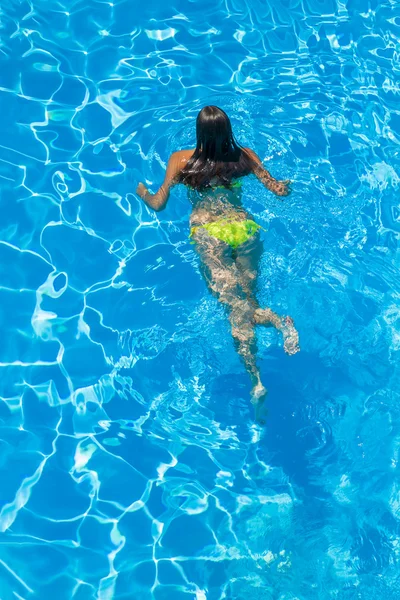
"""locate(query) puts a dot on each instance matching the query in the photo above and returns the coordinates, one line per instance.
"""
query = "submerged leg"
(225, 282)
(266, 317)
(243, 332)
(247, 260)
(232, 278)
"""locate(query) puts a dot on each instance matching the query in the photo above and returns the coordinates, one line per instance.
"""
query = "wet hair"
(218, 156)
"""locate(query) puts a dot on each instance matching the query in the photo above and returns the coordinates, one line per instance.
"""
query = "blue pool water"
(131, 466)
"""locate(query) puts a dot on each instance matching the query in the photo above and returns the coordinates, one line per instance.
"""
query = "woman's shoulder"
(177, 162)
(251, 154)
(182, 155)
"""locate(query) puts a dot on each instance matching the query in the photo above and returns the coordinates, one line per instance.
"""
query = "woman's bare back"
(178, 161)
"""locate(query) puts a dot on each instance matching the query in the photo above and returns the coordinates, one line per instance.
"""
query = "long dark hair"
(218, 156)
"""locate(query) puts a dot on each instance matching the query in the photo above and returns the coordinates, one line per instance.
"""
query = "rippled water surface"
(131, 466)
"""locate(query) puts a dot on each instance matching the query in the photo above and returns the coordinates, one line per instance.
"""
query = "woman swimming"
(227, 239)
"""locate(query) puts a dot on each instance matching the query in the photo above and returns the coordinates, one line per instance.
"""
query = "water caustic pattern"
(131, 466)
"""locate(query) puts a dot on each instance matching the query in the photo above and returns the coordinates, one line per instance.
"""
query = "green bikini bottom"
(234, 233)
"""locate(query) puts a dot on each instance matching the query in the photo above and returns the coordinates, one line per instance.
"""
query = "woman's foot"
(290, 336)
(258, 396)
(258, 392)
(266, 317)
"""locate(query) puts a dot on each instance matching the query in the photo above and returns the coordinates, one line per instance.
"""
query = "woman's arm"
(158, 201)
(280, 188)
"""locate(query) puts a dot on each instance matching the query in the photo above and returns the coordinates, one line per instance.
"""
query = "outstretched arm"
(158, 201)
(280, 188)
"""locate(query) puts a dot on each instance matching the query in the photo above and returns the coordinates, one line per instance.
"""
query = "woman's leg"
(247, 260)
(225, 281)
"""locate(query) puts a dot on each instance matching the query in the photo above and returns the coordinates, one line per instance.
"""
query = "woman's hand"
(141, 190)
(282, 188)
(279, 188)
